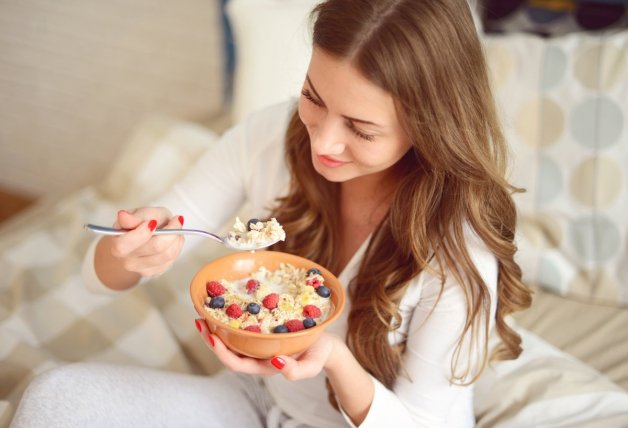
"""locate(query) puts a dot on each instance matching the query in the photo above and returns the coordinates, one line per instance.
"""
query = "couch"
(564, 105)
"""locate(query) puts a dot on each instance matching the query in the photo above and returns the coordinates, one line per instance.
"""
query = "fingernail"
(123, 212)
(198, 325)
(181, 220)
(278, 362)
(211, 339)
(152, 225)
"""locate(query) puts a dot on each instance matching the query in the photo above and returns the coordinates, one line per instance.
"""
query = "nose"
(329, 138)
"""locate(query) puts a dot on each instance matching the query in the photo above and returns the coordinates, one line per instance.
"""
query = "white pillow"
(273, 47)
(563, 103)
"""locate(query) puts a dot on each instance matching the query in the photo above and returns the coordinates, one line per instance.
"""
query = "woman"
(390, 172)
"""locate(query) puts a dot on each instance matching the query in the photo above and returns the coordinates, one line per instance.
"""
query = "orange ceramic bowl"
(260, 345)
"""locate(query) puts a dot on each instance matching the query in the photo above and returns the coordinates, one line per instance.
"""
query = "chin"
(330, 176)
(335, 175)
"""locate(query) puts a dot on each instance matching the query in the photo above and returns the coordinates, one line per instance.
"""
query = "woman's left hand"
(307, 364)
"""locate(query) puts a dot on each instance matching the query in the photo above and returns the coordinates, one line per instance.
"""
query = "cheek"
(308, 113)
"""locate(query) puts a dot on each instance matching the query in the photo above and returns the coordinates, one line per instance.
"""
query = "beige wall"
(77, 75)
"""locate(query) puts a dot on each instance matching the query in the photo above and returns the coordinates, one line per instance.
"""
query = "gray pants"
(100, 395)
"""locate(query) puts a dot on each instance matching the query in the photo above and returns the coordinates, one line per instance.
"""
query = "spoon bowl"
(103, 230)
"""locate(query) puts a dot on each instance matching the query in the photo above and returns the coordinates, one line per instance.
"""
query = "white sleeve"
(423, 395)
(242, 166)
(227, 174)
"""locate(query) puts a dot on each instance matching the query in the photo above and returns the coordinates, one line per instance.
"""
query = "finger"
(163, 243)
(293, 369)
(162, 248)
(202, 328)
(230, 359)
(131, 219)
(123, 245)
(156, 261)
(174, 222)
(127, 220)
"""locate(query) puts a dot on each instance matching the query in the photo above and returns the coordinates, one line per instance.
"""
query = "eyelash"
(350, 124)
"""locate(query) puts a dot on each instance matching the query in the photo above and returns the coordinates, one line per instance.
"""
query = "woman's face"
(352, 123)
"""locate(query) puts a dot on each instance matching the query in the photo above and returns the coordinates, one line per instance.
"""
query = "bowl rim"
(341, 298)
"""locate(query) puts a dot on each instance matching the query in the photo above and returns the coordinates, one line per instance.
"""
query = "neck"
(366, 199)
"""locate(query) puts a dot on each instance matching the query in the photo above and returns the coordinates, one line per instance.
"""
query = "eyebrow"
(352, 119)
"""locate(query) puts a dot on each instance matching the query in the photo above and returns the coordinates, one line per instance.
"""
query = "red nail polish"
(278, 362)
(198, 325)
(152, 225)
(211, 340)
(181, 220)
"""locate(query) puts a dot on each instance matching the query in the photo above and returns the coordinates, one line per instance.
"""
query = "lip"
(330, 162)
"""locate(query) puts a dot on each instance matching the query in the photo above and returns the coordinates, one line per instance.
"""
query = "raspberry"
(251, 286)
(214, 288)
(271, 301)
(254, 328)
(311, 311)
(234, 310)
(314, 282)
(294, 325)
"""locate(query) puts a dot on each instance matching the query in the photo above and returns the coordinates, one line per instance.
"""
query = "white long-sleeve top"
(248, 164)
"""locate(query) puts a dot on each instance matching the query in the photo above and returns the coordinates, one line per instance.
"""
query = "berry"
(252, 285)
(280, 329)
(217, 302)
(234, 311)
(294, 325)
(314, 282)
(253, 308)
(323, 291)
(308, 323)
(255, 328)
(271, 301)
(251, 222)
(314, 271)
(311, 311)
(214, 288)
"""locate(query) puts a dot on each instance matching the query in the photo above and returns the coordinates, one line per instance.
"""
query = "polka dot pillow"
(564, 107)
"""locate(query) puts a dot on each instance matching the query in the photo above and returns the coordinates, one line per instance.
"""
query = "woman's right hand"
(138, 250)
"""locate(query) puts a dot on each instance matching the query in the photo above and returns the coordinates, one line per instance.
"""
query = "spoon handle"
(102, 230)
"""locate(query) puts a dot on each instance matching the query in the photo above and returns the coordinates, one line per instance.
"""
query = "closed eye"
(308, 95)
(359, 133)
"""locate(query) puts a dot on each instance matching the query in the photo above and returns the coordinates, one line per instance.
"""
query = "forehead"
(344, 88)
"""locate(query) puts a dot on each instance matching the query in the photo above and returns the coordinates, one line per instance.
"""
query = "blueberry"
(252, 222)
(313, 271)
(217, 302)
(280, 329)
(309, 323)
(253, 308)
(323, 291)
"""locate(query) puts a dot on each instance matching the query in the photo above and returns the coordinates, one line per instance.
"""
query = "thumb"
(128, 220)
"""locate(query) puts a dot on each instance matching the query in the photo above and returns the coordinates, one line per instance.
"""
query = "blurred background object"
(77, 76)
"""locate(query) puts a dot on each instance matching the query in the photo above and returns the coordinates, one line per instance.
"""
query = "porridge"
(283, 300)
(255, 233)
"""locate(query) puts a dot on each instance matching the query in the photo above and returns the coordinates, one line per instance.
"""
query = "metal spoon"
(103, 230)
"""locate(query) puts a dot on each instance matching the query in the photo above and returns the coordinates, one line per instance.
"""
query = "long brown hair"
(427, 55)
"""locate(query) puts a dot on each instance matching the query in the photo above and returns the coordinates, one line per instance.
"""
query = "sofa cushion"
(564, 103)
